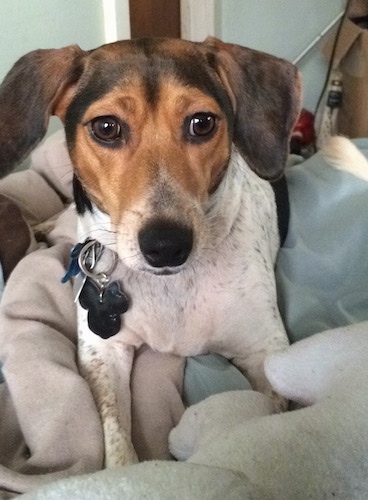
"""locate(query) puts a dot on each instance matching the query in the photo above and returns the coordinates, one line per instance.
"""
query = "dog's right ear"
(31, 92)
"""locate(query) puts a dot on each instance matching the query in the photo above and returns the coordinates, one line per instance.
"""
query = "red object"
(304, 128)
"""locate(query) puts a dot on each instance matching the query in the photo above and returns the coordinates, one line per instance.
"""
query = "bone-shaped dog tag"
(104, 306)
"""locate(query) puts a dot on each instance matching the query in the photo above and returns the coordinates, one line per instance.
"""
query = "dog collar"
(104, 300)
(280, 189)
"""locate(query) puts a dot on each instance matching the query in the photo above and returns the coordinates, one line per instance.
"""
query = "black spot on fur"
(82, 201)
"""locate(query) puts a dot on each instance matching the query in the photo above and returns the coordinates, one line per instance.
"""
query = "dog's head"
(149, 126)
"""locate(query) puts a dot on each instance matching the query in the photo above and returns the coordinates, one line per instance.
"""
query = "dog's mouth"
(167, 271)
(165, 246)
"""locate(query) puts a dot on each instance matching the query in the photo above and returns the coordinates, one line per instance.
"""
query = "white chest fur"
(224, 298)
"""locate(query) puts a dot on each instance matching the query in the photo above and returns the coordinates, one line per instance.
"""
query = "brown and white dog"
(173, 144)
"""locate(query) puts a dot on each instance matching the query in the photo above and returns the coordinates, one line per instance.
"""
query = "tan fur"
(118, 178)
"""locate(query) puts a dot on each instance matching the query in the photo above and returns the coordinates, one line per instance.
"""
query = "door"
(155, 18)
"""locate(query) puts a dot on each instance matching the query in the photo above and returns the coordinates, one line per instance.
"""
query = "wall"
(31, 24)
(26, 25)
(283, 28)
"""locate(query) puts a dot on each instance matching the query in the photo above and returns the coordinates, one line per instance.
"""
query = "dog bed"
(228, 445)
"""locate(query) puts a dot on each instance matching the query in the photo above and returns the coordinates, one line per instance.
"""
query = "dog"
(173, 145)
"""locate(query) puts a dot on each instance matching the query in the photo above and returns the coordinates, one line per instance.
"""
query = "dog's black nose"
(165, 243)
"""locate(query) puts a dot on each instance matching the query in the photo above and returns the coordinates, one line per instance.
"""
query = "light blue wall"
(283, 28)
(26, 25)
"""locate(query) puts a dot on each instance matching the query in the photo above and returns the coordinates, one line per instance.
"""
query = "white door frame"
(197, 19)
(116, 20)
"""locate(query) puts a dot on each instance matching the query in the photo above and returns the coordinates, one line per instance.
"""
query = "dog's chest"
(217, 295)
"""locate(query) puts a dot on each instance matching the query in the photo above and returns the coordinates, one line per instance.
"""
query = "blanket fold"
(53, 405)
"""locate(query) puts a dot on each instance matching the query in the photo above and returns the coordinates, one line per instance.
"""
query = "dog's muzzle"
(165, 243)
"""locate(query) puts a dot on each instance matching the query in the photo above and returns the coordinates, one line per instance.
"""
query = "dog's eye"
(106, 129)
(202, 124)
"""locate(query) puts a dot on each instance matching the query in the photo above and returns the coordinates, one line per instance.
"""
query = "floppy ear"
(29, 94)
(266, 94)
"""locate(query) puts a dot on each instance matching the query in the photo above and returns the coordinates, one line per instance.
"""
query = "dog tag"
(104, 304)
(104, 301)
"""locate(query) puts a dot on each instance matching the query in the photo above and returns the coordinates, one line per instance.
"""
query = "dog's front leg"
(106, 365)
(251, 361)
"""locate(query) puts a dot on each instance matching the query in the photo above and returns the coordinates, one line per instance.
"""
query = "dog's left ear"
(266, 93)
(32, 91)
